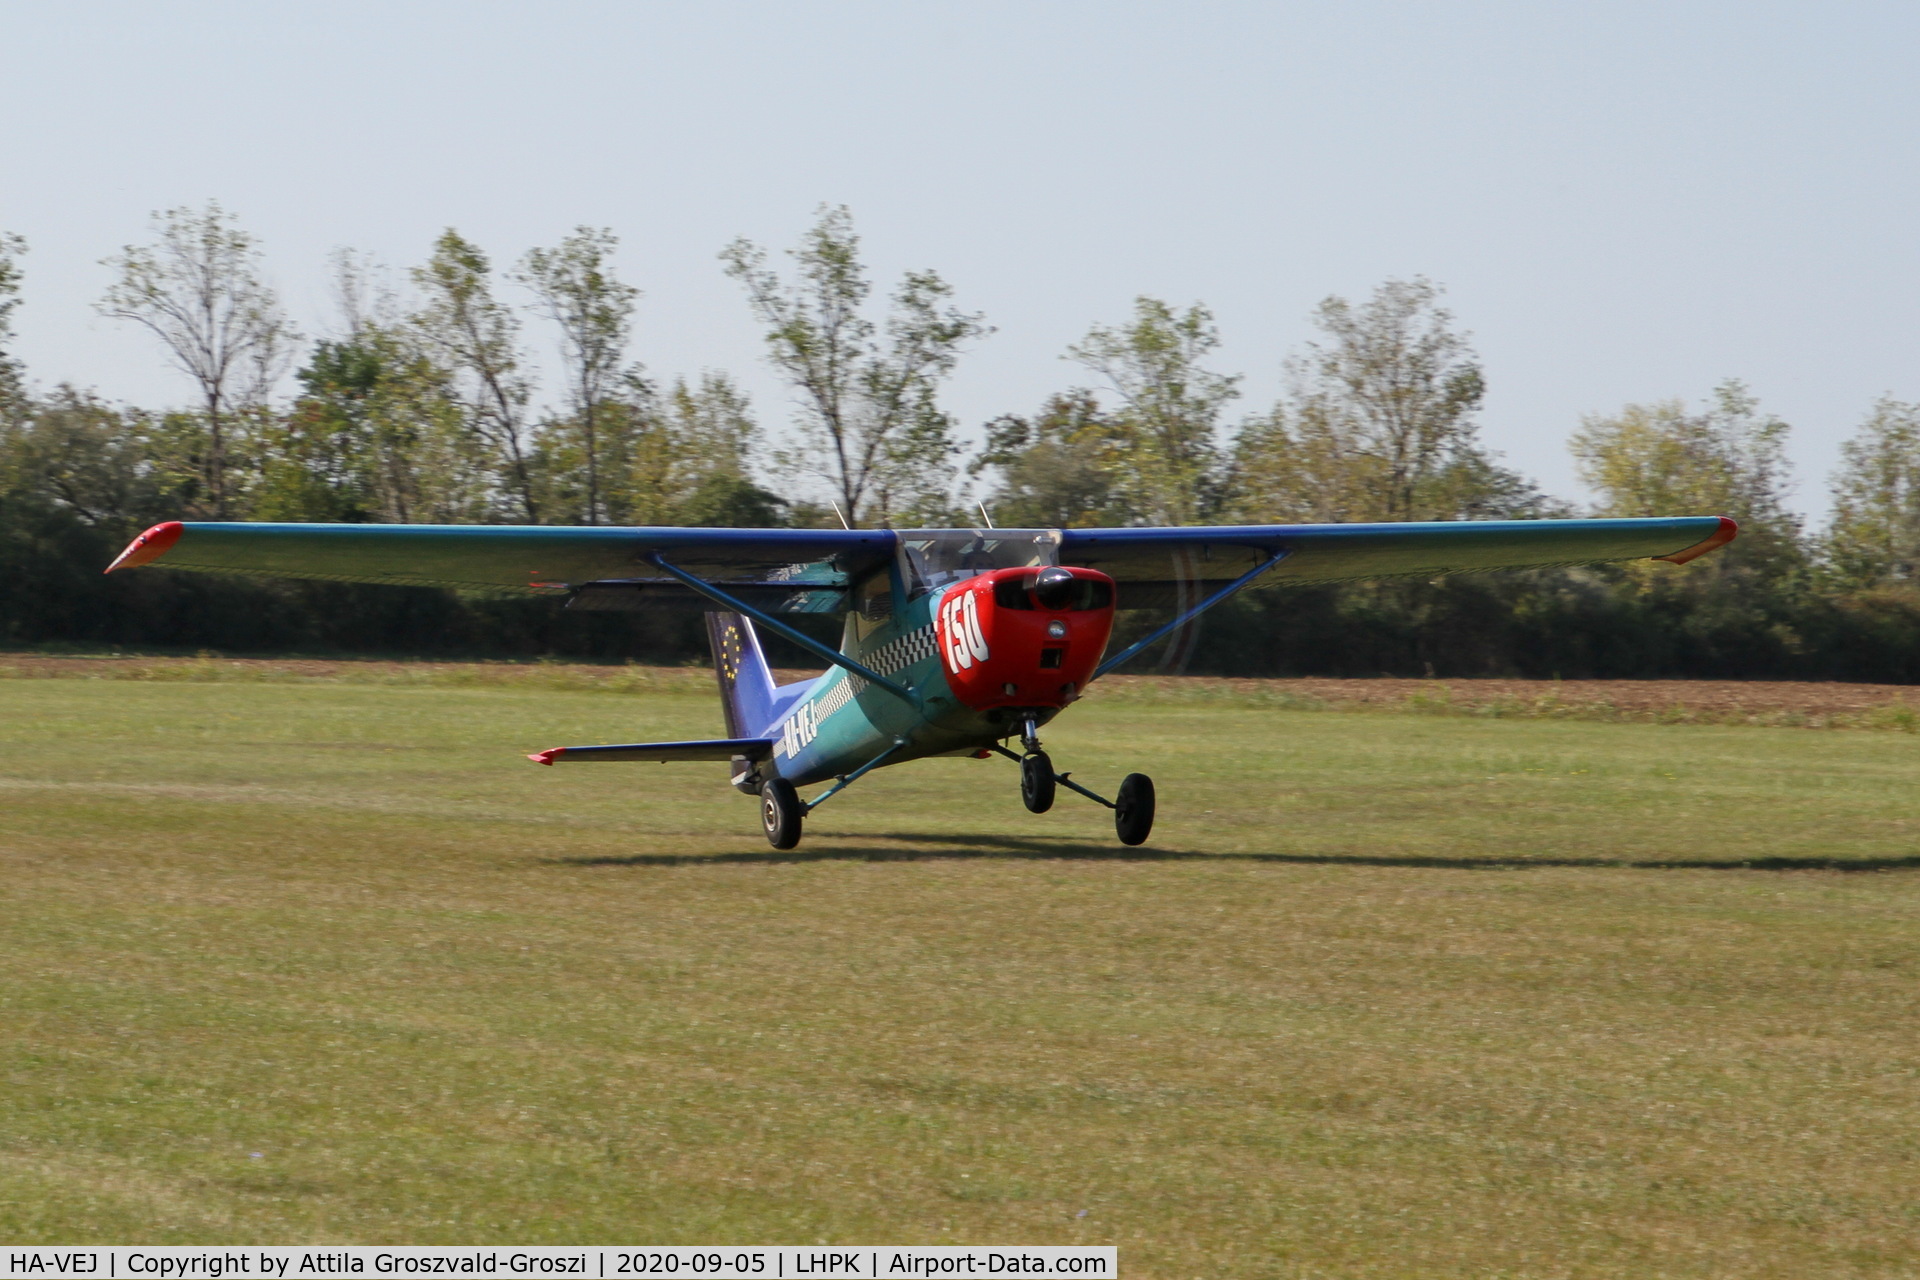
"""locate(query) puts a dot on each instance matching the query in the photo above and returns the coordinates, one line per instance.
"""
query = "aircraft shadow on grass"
(951, 847)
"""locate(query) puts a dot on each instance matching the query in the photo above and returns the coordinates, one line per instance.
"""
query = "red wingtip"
(547, 756)
(1721, 537)
(149, 546)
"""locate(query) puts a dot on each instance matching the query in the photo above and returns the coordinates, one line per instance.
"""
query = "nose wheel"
(1036, 782)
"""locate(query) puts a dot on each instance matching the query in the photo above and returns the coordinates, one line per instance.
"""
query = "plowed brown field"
(1816, 704)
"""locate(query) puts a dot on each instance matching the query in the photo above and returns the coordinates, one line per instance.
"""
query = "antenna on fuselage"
(983, 514)
(838, 512)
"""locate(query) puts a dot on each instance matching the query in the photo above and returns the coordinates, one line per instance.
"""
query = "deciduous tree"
(578, 291)
(1727, 458)
(199, 289)
(1874, 539)
(1658, 459)
(710, 426)
(871, 424)
(77, 452)
(1058, 468)
(12, 389)
(1378, 422)
(477, 339)
(377, 434)
(1170, 407)
(690, 460)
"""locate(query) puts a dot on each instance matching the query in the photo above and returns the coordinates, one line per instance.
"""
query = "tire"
(1036, 782)
(1133, 810)
(781, 813)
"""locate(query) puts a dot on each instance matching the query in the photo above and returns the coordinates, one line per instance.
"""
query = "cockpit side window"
(873, 595)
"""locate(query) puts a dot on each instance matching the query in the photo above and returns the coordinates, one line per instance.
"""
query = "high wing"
(1162, 567)
(810, 570)
(790, 570)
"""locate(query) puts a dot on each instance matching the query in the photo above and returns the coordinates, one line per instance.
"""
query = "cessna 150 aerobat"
(956, 641)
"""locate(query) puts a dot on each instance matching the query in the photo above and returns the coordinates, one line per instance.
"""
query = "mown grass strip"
(1387, 995)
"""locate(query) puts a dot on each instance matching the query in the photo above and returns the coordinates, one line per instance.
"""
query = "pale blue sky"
(1626, 201)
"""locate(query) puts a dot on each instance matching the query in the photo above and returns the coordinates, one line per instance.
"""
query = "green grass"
(1388, 995)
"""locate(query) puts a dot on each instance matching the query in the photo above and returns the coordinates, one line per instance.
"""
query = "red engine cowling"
(1024, 637)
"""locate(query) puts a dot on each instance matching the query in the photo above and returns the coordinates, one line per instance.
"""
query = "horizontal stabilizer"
(664, 752)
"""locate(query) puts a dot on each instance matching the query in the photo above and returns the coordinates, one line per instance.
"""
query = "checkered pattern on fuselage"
(902, 652)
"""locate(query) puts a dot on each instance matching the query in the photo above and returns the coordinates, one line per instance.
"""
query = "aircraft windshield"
(935, 557)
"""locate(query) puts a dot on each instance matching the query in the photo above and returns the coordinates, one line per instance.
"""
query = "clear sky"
(1625, 200)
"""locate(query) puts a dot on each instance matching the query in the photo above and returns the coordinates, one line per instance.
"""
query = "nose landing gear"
(1036, 782)
(1037, 778)
(1132, 812)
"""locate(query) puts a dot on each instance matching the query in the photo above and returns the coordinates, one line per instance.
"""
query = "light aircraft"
(955, 641)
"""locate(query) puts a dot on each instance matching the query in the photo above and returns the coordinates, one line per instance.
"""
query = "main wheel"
(1133, 810)
(1036, 782)
(781, 813)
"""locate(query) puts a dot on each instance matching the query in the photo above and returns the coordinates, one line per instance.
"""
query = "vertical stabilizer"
(746, 683)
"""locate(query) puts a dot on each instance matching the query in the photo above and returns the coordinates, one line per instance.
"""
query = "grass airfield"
(1387, 994)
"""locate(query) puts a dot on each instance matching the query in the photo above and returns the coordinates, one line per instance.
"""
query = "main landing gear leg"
(782, 810)
(1132, 812)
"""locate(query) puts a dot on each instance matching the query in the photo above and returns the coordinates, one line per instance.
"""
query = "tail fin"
(746, 683)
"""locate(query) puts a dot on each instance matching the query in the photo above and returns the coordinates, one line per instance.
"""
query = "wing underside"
(811, 570)
(808, 568)
(1157, 567)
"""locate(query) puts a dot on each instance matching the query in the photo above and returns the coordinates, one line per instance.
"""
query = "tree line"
(422, 404)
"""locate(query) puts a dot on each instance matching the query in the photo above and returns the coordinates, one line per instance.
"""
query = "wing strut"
(780, 628)
(855, 776)
(1212, 600)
